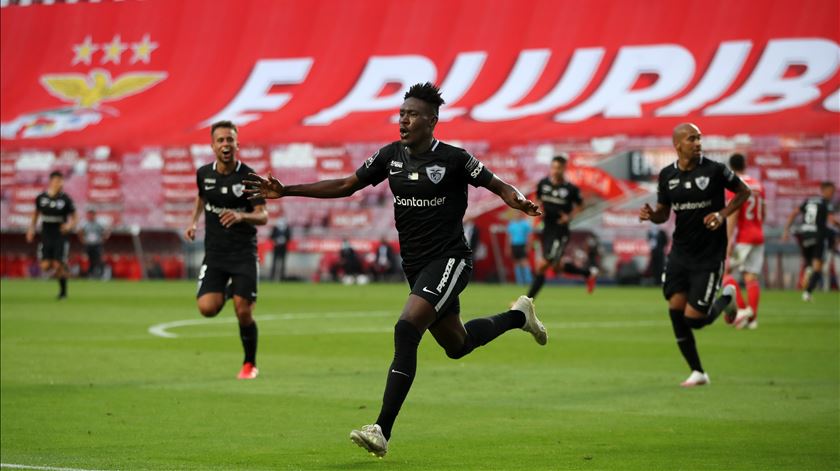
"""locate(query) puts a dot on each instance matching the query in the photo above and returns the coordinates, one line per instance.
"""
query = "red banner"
(157, 72)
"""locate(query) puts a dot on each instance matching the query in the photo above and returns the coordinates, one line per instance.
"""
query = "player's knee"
(209, 309)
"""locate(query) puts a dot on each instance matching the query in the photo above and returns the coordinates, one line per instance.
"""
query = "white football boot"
(532, 324)
(696, 378)
(743, 318)
(371, 439)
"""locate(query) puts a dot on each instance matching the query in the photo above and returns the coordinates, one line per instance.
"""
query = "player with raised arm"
(561, 202)
(58, 218)
(230, 266)
(745, 252)
(693, 187)
(817, 213)
(428, 179)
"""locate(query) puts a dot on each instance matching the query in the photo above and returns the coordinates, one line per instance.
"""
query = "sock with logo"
(249, 335)
(400, 374)
(685, 340)
(753, 293)
(536, 286)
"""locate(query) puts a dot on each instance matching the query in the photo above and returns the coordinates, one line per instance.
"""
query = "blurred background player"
(230, 266)
(281, 235)
(428, 179)
(58, 218)
(92, 234)
(817, 213)
(745, 252)
(519, 230)
(694, 187)
(561, 202)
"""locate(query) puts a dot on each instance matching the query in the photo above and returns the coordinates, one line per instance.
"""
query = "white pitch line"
(41, 468)
(162, 330)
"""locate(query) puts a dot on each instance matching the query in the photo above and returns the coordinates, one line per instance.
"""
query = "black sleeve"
(577, 199)
(731, 181)
(662, 190)
(375, 168)
(473, 170)
(70, 207)
(538, 194)
(198, 183)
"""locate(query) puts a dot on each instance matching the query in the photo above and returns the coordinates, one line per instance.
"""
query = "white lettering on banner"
(820, 57)
(525, 74)
(380, 71)
(615, 98)
(719, 76)
(254, 96)
(766, 90)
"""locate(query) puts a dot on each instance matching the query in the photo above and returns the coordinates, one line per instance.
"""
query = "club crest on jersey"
(435, 173)
(673, 183)
(702, 182)
(238, 189)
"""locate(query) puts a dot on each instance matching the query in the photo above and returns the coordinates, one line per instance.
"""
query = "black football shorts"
(440, 282)
(699, 284)
(214, 275)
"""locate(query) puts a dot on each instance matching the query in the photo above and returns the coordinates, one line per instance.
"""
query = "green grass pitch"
(86, 386)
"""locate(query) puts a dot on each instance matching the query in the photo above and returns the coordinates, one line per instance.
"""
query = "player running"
(817, 213)
(561, 202)
(429, 181)
(230, 266)
(58, 218)
(694, 187)
(745, 252)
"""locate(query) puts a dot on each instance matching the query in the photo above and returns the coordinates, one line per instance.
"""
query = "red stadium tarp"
(158, 72)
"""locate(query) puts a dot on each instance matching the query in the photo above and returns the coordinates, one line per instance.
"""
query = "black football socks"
(536, 285)
(575, 270)
(685, 339)
(62, 287)
(400, 374)
(483, 330)
(248, 334)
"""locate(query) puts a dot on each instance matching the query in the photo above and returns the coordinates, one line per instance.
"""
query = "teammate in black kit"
(429, 181)
(58, 218)
(561, 202)
(817, 213)
(694, 187)
(230, 264)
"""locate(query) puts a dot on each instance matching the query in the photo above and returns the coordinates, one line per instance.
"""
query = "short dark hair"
(56, 173)
(427, 92)
(560, 158)
(737, 162)
(223, 124)
(826, 184)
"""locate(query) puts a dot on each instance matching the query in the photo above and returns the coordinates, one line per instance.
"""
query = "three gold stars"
(113, 50)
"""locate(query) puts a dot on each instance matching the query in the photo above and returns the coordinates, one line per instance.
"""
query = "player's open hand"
(259, 187)
(645, 213)
(190, 233)
(713, 221)
(228, 218)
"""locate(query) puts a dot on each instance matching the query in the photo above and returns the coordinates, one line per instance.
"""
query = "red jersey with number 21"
(750, 217)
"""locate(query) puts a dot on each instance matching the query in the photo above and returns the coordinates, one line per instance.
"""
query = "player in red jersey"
(746, 251)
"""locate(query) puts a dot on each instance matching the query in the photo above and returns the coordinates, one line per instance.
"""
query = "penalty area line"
(41, 468)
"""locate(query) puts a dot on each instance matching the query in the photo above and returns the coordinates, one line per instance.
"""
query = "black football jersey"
(692, 195)
(557, 199)
(54, 211)
(221, 192)
(815, 212)
(430, 197)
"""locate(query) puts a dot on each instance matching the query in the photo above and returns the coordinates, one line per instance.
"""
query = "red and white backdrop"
(157, 72)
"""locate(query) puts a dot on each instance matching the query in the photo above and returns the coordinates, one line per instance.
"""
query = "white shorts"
(748, 258)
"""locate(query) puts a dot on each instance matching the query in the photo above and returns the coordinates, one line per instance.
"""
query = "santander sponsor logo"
(767, 88)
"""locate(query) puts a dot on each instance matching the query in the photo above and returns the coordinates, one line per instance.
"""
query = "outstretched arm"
(271, 188)
(513, 197)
